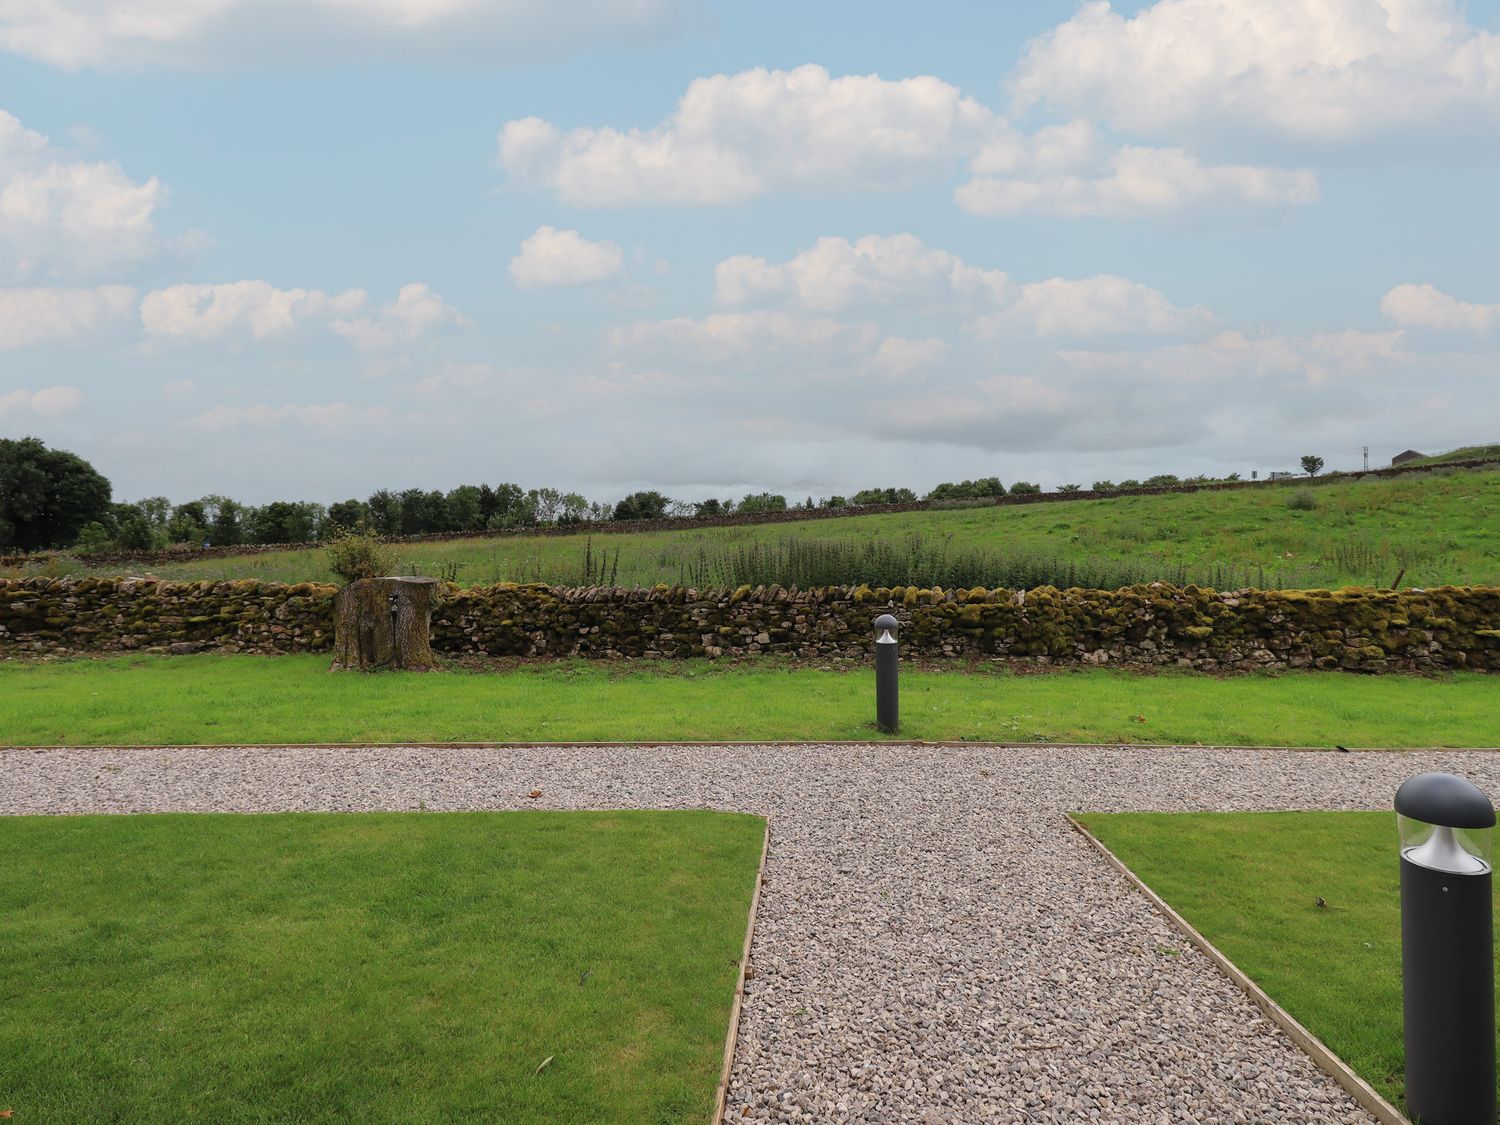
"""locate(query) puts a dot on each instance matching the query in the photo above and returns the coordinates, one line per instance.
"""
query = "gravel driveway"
(934, 943)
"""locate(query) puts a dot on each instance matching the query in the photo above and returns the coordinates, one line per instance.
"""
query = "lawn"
(156, 700)
(370, 967)
(1337, 969)
(1431, 529)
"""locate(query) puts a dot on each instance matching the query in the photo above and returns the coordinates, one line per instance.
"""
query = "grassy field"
(370, 967)
(1438, 528)
(1466, 453)
(294, 699)
(1337, 969)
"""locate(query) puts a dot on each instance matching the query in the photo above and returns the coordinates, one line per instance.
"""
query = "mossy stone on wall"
(1356, 629)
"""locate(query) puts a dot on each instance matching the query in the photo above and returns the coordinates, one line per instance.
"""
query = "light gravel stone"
(934, 945)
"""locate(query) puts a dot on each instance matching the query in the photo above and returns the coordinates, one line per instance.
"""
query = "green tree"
(47, 496)
(642, 506)
(385, 512)
(351, 515)
(227, 526)
(759, 502)
(463, 509)
(189, 524)
(1312, 465)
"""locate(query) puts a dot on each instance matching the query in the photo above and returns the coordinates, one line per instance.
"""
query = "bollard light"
(1446, 826)
(887, 672)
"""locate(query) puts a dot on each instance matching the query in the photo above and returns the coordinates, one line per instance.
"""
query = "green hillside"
(1466, 453)
(1431, 528)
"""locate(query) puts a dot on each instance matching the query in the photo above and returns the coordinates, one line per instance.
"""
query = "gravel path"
(934, 943)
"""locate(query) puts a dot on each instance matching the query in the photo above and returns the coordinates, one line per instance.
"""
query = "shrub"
(1130, 484)
(94, 537)
(1162, 480)
(1024, 488)
(1070, 488)
(1302, 500)
(1105, 486)
(353, 555)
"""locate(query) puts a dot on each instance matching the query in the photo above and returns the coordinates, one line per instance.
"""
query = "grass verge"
(1249, 882)
(212, 699)
(370, 967)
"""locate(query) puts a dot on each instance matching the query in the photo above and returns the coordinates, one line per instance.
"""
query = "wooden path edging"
(732, 1039)
(1360, 1090)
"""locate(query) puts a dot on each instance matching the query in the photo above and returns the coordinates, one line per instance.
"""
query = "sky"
(306, 249)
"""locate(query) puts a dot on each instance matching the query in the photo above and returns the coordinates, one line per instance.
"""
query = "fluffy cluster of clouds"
(1323, 71)
(1201, 75)
(216, 34)
(551, 258)
(736, 137)
(232, 312)
(1426, 306)
(61, 216)
(901, 271)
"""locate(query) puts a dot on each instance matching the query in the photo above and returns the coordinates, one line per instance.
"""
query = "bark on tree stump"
(383, 623)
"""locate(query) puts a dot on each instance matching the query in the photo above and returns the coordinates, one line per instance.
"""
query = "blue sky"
(306, 251)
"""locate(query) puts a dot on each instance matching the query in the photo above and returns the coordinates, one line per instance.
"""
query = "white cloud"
(880, 271)
(28, 316)
(1316, 358)
(1314, 70)
(318, 416)
(258, 310)
(62, 217)
(416, 312)
(836, 274)
(207, 34)
(1094, 306)
(552, 257)
(180, 388)
(1425, 306)
(898, 357)
(734, 137)
(48, 402)
(237, 308)
(1069, 171)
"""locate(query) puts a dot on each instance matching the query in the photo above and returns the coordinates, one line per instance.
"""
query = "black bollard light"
(1447, 950)
(887, 674)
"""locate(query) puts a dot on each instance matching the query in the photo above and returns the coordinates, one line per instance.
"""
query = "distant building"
(1280, 476)
(1409, 455)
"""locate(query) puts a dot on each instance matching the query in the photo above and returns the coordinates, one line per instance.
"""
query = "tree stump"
(383, 623)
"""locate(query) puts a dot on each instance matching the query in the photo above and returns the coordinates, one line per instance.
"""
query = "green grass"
(151, 700)
(1466, 453)
(370, 967)
(1249, 882)
(1440, 527)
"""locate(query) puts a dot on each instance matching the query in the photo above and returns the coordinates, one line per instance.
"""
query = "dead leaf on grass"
(542, 1065)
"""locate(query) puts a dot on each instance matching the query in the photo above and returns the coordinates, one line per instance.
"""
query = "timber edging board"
(732, 1038)
(1360, 1090)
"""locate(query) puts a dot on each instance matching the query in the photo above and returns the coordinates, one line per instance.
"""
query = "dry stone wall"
(127, 614)
(1356, 629)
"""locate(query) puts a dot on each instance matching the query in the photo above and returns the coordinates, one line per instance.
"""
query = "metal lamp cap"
(1445, 799)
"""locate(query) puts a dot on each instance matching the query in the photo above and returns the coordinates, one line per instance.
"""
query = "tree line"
(55, 499)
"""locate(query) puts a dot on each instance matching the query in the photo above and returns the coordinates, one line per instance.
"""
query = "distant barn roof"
(1409, 455)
